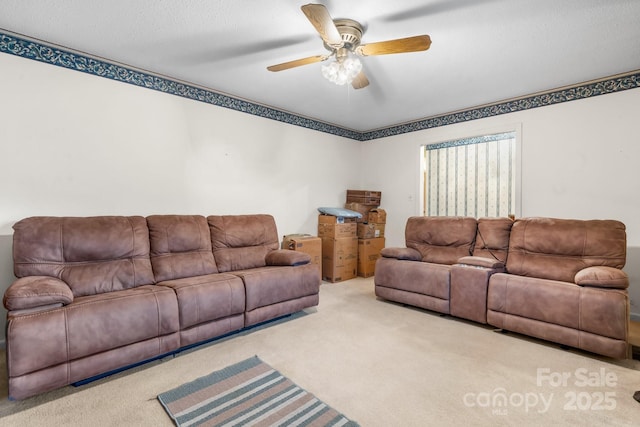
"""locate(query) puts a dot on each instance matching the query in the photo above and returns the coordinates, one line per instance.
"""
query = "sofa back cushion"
(180, 246)
(492, 238)
(557, 249)
(242, 241)
(92, 255)
(441, 239)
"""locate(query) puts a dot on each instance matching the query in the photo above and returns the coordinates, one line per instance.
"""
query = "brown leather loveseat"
(555, 279)
(97, 294)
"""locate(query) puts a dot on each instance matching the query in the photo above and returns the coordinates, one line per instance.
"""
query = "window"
(471, 177)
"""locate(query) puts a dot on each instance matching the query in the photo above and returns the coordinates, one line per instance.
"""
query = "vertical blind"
(471, 177)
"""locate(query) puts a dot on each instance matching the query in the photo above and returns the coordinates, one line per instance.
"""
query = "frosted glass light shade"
(342, 72)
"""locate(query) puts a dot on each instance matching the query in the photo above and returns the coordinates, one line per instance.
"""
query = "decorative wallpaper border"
(587, 90)
(14, 45)
(18, 46)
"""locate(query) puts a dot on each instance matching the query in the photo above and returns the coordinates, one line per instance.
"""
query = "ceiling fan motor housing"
(350, 32)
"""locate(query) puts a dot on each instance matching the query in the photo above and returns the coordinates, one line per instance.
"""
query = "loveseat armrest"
(602, 277)
(407, 254)
(478, 261)
(286, 257)
(32, 292)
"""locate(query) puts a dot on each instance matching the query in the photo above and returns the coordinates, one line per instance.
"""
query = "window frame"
(480, 136)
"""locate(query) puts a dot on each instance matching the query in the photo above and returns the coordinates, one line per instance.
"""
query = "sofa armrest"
(408, 254)
(36, 291)
(287, 257)
(478, 261)
(602, 277)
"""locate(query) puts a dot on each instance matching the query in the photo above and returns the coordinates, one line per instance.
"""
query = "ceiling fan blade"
(409, 44)
(298, 63)
(433, 8)
(360, 81)
(319, 16)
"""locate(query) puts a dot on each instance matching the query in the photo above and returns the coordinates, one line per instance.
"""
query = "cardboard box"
(339, 259)
(332, 219)
(379, 229)
(364, 196)
(368, 254)
(306, 243)
(366, 231)
(360, 208)
(377, 215)
(370, 230)
(335, 228)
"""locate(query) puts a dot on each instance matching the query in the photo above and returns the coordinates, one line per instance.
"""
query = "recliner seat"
(97, 294)
(556, 279)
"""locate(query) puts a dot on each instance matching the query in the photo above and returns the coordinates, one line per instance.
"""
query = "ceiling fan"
(342, 37)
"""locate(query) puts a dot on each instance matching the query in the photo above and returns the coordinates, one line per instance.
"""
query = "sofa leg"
(636, 396)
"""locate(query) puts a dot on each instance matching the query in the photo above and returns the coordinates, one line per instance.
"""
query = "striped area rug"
(249, 393)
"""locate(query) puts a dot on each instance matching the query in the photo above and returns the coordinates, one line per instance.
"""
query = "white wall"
(76, 144)
(579, 160)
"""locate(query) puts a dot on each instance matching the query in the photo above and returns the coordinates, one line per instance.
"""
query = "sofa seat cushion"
(206, 298)
(271, 285)
(89, 325)
(599, 311)
(414, 276)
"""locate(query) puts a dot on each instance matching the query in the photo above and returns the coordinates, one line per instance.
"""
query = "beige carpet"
(379, 363)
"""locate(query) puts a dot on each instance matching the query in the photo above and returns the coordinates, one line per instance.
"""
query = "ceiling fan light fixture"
(342, 38)
(342, 71)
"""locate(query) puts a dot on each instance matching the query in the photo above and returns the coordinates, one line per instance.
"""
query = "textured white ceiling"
(483, 51)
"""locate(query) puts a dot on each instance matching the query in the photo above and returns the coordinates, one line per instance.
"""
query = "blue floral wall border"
(601, 87)
(15, 45)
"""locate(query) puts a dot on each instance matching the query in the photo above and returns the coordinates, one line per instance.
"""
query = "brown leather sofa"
(555, 279)
(97, 294)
